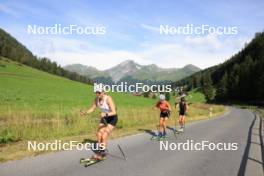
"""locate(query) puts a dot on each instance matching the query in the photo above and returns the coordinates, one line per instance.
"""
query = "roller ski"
(90, 161)
(179, 131)
(159, 137)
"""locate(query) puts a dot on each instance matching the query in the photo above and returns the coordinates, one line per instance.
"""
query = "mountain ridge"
(130, 68)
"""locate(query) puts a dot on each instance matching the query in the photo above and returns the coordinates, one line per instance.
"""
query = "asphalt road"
(144, 156)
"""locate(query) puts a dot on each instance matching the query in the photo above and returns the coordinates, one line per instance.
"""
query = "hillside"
(41, 105)
(11, 48)
(84, 70)
(26, 86)
(239, 78)
(130, 70)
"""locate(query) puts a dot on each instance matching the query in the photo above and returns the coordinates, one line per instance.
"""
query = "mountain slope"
(84, 70)
(129, 69)
(123, 69)
(23, 86)
(13, 49)
(239, 78)
(153, 72)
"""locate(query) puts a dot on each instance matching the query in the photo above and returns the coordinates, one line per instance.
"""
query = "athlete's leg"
(107, 131)
(100, 132)
(183, 120)
(161, 126)
(180, 120)
(165, 125)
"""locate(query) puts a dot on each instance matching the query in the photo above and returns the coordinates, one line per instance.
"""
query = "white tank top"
(103, 105)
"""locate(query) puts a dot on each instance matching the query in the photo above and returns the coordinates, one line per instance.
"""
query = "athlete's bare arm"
(187, 107)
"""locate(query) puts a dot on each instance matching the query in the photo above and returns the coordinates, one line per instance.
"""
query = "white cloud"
(200, 51)
(101, 60)
(69, 51)
(165, 55)
(149, 27)
(176, 55)
(209, 40)
(237, 43)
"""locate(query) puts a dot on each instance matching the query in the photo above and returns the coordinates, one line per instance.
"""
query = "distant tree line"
(132, 81)
(241, 78)
(104, 80)
(12, 49)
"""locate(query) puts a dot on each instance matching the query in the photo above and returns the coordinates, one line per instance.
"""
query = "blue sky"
(131, 30)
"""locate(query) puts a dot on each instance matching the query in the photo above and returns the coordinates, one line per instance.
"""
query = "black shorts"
(182, 113)
(165, 114)
(112, 120)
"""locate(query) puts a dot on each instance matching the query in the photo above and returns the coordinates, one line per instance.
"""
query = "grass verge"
(70, 126)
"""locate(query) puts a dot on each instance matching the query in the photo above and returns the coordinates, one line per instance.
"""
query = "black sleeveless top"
(182, 106)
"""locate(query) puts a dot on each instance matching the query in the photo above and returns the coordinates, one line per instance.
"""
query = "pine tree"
(194, 82)
(208, 88)
(221, 92)
(233, 82)
(245, 83)
(259, 83)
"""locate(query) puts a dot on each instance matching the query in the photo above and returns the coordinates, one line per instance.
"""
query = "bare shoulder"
(109, 98)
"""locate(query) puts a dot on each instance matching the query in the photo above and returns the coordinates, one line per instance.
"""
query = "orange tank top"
(163, 106)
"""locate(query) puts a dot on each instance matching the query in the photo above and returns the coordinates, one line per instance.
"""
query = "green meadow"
(36, 105)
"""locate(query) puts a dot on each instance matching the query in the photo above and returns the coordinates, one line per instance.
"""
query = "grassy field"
(35, 105)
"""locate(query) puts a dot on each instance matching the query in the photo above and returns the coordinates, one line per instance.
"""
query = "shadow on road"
(171, 128)
(246, 157)
(92, 142)
(150, 132)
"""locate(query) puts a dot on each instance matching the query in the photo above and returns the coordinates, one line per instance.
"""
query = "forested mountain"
(239, 78)
(12, 49)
